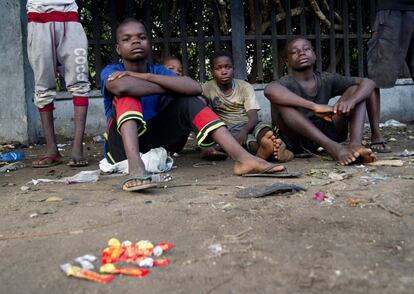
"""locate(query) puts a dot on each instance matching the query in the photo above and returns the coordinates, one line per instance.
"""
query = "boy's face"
(300, 54)
(132, 42)
(175, 66)
(223, 70)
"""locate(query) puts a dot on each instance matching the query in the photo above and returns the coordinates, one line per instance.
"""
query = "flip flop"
(266, 173)
(77, 163)
(214, 155)
(151, 184)
(376, 147)
(272, 190)
(49, 161)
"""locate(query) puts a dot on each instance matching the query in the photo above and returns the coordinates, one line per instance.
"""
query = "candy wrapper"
(134, 272)
(75, 271)
(133, 253)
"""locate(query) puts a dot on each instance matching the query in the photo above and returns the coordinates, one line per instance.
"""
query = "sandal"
(380, 147)
(47, 161)
(146, 182)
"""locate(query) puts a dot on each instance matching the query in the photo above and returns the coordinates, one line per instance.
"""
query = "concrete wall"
(14, 122)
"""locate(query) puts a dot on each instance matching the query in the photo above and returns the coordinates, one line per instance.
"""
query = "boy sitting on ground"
(138, 121)
(299, 105)
(234, 101)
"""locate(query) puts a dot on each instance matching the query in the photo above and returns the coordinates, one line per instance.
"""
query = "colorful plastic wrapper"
(75, 271)
(132, 253)
(86, 261)
(134, 272)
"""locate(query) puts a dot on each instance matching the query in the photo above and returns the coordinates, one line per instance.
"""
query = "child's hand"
(324, 111)
(343, 107)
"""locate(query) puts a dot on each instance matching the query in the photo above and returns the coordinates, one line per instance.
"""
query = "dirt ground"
(276, 244)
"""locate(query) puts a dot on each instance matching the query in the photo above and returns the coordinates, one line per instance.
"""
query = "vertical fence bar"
(238, 38)
(259, 42)
(373, 10)
(148, 24)
(318, 44)
(216, 29)
(359, 40)
(275, 49)
(332, 49)
(129, 8)
(183, 35)
(96, 22)
(166, 28)
(288, 18)
(345, 26)
(114, 24)
(302, 19)
(200, 41)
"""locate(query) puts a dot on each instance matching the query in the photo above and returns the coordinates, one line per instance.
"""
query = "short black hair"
(292, 39)
(171, 57)
(221, 53)
(127, 21)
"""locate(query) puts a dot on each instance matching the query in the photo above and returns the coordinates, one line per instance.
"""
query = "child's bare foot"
(345, 155)
(281, 153)
(266, 145)
(256, 165)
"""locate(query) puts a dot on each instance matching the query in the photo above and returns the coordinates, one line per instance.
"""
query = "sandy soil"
(277, 244)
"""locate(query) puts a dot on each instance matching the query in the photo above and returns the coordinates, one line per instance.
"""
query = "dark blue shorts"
(391, 44)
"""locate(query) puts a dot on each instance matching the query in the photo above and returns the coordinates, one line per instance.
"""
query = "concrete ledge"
(396, 103)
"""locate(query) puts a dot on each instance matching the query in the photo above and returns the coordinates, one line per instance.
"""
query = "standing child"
(136, 121)
(391, 44)
(301, 112)
(235, 103)
(57, 43)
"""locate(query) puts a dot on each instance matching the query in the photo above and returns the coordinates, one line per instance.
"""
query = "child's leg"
(73, 55)
(378, 142)
(42, 61)
(189, 113)
(294, 124)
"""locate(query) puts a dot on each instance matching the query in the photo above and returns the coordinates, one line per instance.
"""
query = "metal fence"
(255, 31)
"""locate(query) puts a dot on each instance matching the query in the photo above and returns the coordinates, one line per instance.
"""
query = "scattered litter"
(389, 162)
(142, 255)
(53, 199)
(11, 156)
(392, 123)
(202, 164)
(109, 268)
(322, 197)
(176, 154)
(77, 272)
(216, 248)
(98, 139)
(12, 167)
(406, 153)
(85, 261)
(32, 215)
(87, 176)
(373, 179)
(47, 211)
(392, 140)
(319, 173)
(227, 206)
(24, 188)
(354, 202)
(407, 177)
(320, 182)
(319, 196)
(261, 191)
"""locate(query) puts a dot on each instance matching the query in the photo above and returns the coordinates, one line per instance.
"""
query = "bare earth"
(277, 244)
